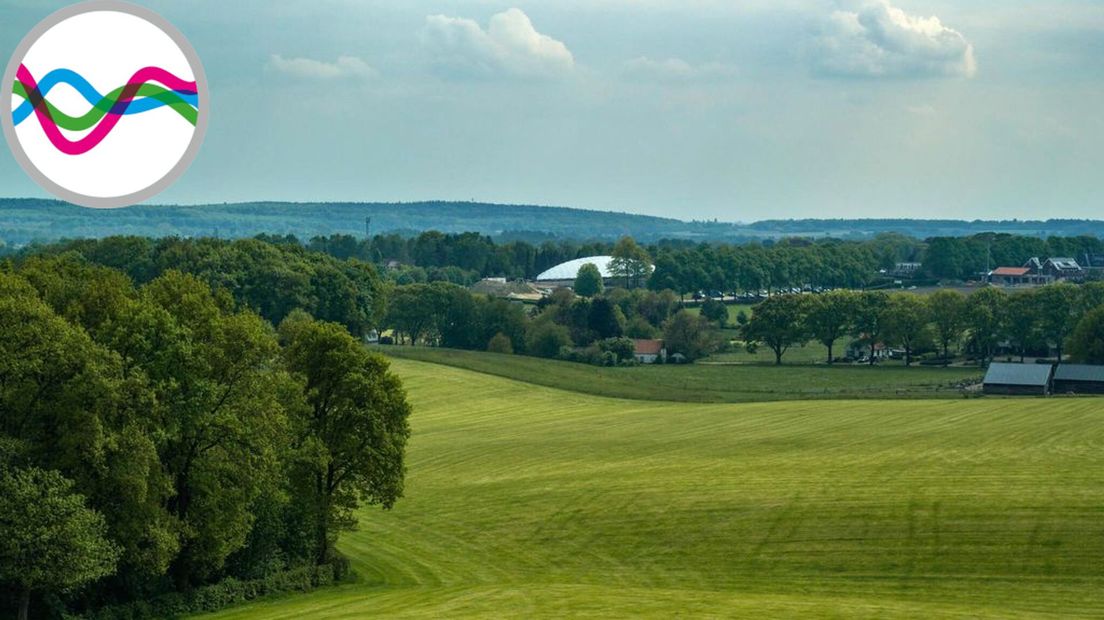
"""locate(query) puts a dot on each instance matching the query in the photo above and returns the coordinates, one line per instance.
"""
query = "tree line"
(1060, 317)
(160, 437)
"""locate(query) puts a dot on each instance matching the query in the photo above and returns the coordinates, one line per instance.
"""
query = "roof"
(1018, 374)
(1010, 271)
(1064, 263)
(1079, 372)
(570, 269)
(647, 347)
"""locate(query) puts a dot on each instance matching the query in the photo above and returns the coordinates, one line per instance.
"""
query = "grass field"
(526, 501)
(709, 383)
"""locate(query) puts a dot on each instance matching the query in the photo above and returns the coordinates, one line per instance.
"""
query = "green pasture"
(710, 382)
(528, 501)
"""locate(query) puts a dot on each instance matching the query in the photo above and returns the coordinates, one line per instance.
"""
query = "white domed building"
(564, 273)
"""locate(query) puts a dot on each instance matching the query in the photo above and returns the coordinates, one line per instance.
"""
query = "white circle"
(107, 44)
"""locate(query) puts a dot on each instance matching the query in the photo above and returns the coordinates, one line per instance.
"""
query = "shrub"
(500, 343)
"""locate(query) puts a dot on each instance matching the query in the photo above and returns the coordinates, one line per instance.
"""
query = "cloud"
(880, 40)
(345, 66)
(510, 45)
(674, 69)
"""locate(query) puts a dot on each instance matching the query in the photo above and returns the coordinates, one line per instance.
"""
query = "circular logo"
(104, 104)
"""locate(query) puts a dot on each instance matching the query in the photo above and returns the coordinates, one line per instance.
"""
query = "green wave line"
(98, 111)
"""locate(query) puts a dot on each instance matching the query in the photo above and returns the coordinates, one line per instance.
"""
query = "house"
(1063, 269)
(1079, 379)
(1018, 379)
(1010, 276)
(649, 351)
(906, 270)
(859, 349)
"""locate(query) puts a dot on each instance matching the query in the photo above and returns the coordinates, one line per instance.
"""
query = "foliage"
(690, 335)
(630, 262)
(779, 323)
(588, 282)
(49, 540)
(829, 317)
(547, 339)
(500, 343)
(715, 310)
(907, 318)
(1087, 341)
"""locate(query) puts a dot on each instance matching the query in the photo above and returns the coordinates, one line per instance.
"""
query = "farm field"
(528, 501)
(709, 383)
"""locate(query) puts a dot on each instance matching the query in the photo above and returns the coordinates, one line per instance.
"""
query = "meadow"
(531, 501)
(710, 383)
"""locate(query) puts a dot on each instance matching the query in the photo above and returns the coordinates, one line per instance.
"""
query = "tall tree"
(351, 438)
(588, 282)
(630, 262)
(50, 540)
(829, 316)
(1087, 341)
(779, 323)
(1021, 321)
(985, 311)
(1058, 311)
(907, 316)
(870, 319)
(947, 311)
(689, 335)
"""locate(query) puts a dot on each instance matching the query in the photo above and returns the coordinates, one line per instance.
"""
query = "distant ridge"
(23, 220)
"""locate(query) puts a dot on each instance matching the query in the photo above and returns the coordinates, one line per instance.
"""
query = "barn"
(1079, 379)
(1018, 379)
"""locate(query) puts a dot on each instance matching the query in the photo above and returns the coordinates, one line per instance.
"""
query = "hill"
(525, 501)
(25, 220)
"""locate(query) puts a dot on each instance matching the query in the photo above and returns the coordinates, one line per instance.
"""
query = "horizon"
(768, 110)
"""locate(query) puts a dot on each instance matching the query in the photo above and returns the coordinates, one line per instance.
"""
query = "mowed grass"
(526, 501)
(708, 383)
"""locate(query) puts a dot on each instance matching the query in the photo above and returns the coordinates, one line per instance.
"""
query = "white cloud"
(674, 69)
(510, 45)
(344, 66)
(880, 40)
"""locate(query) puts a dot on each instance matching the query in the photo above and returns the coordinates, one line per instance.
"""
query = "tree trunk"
(908, 356)
(25, 604)
(946, 351)
(830, 360)
(872, 343)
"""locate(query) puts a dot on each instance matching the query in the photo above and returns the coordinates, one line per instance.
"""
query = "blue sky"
(695, 109)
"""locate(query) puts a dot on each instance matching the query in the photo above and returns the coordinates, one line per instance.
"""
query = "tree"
(547, 339)
(1021, 321)
(1057, 306)
(630, 262)
(640, 328)
(870, 319)
(947, 310)
(350, 440)
(907, 317)
(829, 317)
(605, 319)
(690, 335)
(779, 323)
(715, 311)
(985, 311)
(1086, 345)
(49, 540)
(588, 282)
(500, 343)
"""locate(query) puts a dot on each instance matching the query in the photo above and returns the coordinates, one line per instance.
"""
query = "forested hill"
(26, 220)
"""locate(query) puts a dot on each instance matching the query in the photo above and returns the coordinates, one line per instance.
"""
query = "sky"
(694, 109)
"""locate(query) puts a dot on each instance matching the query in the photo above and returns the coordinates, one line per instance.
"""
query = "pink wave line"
(107, 123)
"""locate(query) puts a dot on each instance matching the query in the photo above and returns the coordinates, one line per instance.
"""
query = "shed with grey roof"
(1019, 379)
(1079, 379)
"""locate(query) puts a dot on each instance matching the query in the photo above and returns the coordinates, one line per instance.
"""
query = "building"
(1011, 276)
(1078, 379)
(1063, 269)
(564, 273)
(1018, 379)
(649, 351)
(906, 270)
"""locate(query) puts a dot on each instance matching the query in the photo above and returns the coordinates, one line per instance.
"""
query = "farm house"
(1079, 379)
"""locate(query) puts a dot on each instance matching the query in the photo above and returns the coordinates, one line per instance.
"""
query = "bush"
(223, 594)
(500, 343)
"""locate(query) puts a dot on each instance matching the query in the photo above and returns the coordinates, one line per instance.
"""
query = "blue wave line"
(91, 95)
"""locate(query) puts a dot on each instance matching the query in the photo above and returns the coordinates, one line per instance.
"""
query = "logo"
(104, 104)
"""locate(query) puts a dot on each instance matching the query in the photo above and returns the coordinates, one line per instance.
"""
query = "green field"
(706, 383)
(527, 501)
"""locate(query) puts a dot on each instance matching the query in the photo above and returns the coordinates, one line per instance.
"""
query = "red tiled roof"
(647, 347)
(1011, 271)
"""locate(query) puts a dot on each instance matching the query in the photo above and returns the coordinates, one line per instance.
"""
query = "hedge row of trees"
(1062, 316)
(596, 329)
(161, 437)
